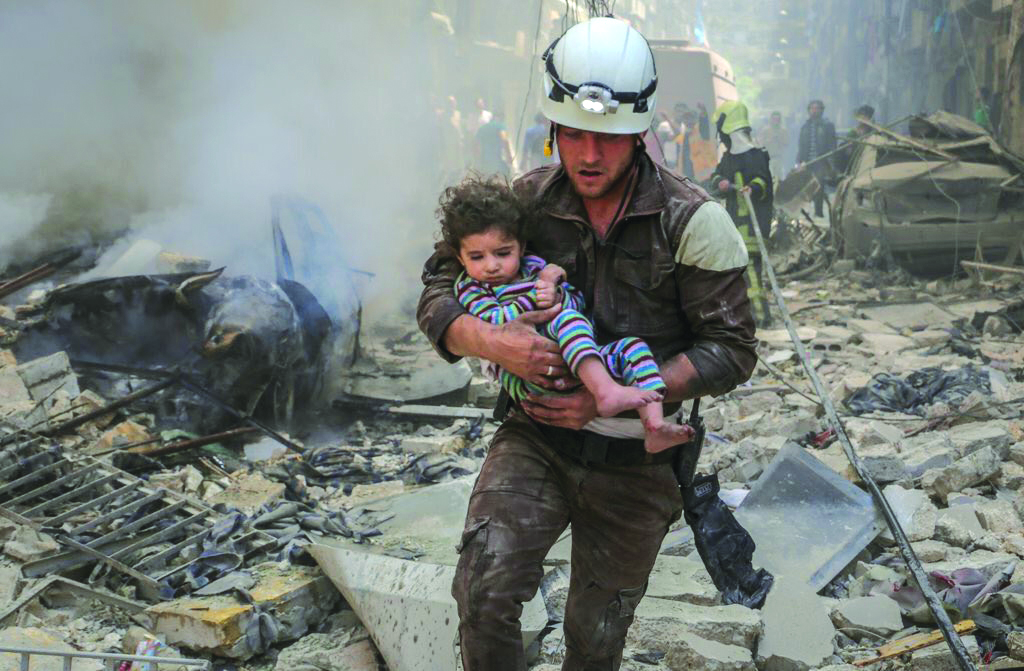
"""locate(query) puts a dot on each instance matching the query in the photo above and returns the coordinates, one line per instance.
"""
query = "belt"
(589, 448)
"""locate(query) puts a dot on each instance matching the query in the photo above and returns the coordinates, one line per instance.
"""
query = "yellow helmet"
(731, 116)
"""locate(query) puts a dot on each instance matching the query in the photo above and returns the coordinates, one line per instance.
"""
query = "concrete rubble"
(336, 541)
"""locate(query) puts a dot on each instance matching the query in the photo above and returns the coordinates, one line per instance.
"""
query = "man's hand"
(547, 293)
(518, 348)
(746, 189)
(571, 411)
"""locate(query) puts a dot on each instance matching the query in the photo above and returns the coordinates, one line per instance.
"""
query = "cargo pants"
(524, 498)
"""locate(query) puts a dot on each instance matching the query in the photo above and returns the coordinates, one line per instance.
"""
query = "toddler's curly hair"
(478, 204)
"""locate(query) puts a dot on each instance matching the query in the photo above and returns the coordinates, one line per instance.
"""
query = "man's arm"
(711, 261)
(454, 333)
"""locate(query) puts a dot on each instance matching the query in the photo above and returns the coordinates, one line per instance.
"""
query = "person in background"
(864, 113)
(775, 138)
(744, 169)
(532, 155)
(494, 149)
(817, 138)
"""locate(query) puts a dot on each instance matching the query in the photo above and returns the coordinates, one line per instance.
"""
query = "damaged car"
(945, 193)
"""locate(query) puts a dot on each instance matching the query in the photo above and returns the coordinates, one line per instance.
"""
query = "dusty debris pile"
(333, 547)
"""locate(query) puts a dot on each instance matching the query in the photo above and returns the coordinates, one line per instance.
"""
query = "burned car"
(946, 193)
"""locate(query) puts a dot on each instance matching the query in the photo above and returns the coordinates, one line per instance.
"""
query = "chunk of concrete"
(659, 621)
(914, 511)
(26, 544)
(935, 551)
(969, 438)
(45, 376)
(1015, 645)
(433, 444)
(407, 606)
(248, 493)
(12, 388)
(678, 579)
(871, 616)
(297, 597)
(798, 633)
(347, 650)
(125, 433)
(965, 472)
(958, 525)
(884, 343)
(998, 516)
(806, 520)
(694, 652)
(37, 639)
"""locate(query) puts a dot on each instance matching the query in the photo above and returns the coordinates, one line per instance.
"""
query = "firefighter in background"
(744, 167)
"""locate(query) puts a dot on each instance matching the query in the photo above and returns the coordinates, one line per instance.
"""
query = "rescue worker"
(655, 258)
(745, 168)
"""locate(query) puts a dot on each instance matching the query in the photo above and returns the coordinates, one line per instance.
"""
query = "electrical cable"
(956, 645)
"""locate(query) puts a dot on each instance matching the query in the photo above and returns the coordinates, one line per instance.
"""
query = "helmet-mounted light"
(596, 99)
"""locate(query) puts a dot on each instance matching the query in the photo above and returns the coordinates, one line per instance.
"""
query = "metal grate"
(105, 517)
(115, 660)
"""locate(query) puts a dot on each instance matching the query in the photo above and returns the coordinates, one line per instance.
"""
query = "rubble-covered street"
(226, 444)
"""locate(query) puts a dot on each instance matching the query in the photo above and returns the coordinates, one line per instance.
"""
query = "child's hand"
(547, 293)
(552, 273)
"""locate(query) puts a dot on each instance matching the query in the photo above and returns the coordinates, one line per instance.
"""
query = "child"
(484, 222)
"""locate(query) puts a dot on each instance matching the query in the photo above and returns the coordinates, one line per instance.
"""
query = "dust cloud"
(180, 121)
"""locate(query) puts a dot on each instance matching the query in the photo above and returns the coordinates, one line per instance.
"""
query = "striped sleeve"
(481, 302)
(572, 298)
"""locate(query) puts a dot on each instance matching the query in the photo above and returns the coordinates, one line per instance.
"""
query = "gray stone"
(869, 432)
(868, 615)
(1015, 645)
(935, 551)
(1011, 476)
(914, 511)
(999, 516)
(693, 652)
(26, 544)
(965, 472)
(45, 376)
(797, 630)
(659, 621)
(969, 438)
(958, 525)
(12, 387)
(988, 562)
(677, 579)
(884, 469)
(940, 658)
(1014, 544)
(927, 451)
(1016, 453)
(885, 343)
(344, 650)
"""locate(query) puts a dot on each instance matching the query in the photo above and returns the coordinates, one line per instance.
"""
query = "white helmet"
(600, 76)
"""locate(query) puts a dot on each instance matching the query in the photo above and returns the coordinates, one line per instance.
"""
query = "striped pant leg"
(517, 387)
(575, 336)
(631, 361)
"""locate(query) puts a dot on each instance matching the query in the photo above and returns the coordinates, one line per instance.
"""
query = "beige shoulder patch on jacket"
(710, 240)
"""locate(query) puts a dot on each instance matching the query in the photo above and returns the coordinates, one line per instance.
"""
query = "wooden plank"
(440, 411)
(915, 642)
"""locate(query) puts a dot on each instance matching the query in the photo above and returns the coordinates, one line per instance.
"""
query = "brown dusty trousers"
(524, 498)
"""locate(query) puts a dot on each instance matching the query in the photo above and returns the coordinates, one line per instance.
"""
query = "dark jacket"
(631, 280)
(826, 141)
(747, 169)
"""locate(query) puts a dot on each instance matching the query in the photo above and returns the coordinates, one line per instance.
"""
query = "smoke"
(181, 120)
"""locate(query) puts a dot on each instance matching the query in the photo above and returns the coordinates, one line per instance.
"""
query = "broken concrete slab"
(44, 376)
(433, 444)
(915, 512)
(249, 492)
(998, 516)
(658, 621)
(876, 616)
(296, 597)
(969, 438)
(910, 315)
(694, 652)
(407, 606)
(798, 632)
(28, 545)
(125, 433)
(345, 649)
(964, 472)
(885, 343)
(958, 525)
(806, 520)
(678, 579)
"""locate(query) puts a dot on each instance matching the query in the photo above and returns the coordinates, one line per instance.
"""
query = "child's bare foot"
(615, 398)
(663, 435)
